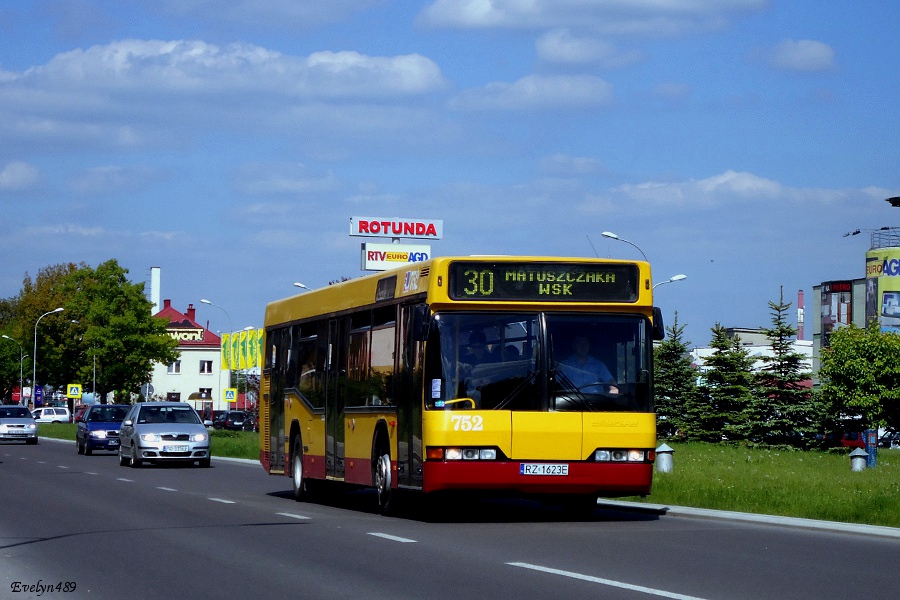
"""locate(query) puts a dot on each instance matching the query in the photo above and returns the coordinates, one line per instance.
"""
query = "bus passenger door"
(335, 386)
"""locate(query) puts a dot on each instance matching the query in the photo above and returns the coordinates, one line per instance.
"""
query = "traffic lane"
(540, 546)
(160, 540)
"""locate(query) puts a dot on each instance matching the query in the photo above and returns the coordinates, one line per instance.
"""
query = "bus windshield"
(538, 362)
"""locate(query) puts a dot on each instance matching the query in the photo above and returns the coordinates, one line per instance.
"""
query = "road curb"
(704, 513)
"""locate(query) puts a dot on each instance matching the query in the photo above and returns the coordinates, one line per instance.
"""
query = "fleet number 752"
(467, 422)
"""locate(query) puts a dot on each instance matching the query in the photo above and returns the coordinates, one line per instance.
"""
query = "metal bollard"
(664, 459)
(858, 460)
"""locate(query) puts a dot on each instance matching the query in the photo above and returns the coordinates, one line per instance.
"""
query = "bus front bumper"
(604, 479)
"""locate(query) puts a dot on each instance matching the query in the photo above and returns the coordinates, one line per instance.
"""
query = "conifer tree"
(782, 411)
(675, 381)
(726, 391)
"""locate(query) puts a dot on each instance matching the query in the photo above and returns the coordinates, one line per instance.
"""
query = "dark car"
(890, 439)
(99, 428)
(79, 412)
(234, 420)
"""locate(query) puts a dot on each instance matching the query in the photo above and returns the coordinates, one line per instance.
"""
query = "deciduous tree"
(860, 375)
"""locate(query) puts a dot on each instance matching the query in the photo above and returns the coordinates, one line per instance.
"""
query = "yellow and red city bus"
(469, 374)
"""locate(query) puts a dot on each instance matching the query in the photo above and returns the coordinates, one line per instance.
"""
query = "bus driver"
(583, 369)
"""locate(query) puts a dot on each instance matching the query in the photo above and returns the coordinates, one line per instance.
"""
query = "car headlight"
(150, 437)
(31, 426)
(198, 437)
(100, 435)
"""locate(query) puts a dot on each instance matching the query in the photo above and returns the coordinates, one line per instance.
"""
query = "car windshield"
(14, 412)
(168, 414)
(107, 414)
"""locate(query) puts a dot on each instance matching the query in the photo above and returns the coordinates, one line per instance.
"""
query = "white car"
(16, 423)
(51, 414)
(163, 432)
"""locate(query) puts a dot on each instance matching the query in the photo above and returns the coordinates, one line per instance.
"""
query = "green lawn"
(812, 485)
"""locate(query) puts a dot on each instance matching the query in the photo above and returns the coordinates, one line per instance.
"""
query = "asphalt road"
(231, 531)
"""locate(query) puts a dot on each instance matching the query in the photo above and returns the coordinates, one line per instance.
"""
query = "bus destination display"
(554, 282)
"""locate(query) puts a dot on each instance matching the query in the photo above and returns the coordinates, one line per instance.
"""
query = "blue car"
(99, 428)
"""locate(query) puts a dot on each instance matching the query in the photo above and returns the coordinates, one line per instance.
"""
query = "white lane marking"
(393, 538)
(222, 501)
(62, 466)
(166, 489)
(90, 473)
(609, 582)
(123, 479)
(293, 516)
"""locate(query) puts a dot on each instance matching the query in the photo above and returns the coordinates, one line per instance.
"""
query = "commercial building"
(196, 376)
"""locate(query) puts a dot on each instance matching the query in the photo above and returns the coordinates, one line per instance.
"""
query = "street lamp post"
(205, 301)
(612, 236)
(671, 279)
(34, 353)
(21, 359)
(230, 331)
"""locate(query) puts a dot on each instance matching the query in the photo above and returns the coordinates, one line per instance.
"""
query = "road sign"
(73, 390)
(230, 394)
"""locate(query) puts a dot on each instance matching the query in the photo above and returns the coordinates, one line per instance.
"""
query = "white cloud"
(134, 93)
(727, 189)
(110, 179)
(672, 90)
(266, 13)
(562, 164)
(608, 16)
(197, 69)
(284, 179)
(17, 176)
(802, 55)
(711, 192)
(562, 46)
(535, 92)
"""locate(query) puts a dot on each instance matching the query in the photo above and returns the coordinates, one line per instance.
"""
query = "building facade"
(196, 377)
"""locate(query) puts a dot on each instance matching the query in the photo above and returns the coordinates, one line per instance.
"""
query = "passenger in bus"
(477, 352)
(583, 369)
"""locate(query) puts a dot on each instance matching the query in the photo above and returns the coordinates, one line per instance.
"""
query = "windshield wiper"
(518, 389)
(571, 390)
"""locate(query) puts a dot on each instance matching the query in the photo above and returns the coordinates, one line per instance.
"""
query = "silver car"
(163, 432)
(16, 423)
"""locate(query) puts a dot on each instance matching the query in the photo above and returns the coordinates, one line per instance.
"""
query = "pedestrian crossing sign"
(73, 390)
(230, 394)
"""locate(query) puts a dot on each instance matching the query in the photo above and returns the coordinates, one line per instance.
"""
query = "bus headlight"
(622, 455)
(461, 454)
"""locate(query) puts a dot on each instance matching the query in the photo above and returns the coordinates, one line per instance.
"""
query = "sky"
(229, 142)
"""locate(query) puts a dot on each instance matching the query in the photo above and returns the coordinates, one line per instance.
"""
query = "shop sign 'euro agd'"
(381, 257)
(393, 227)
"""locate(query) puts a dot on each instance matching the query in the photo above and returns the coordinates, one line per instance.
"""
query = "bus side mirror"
(659, 330)
(421, 323)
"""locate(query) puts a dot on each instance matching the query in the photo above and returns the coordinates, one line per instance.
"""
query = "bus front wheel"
(299, 481)
(382, 476)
